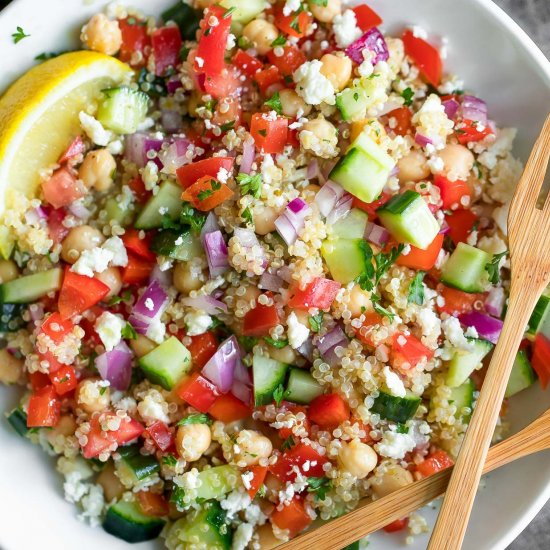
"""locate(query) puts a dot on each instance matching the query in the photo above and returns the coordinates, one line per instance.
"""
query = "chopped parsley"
(18, 35)
(229, 12)
(274, 102)
(416, 289)
(227, 126)
(279, 41)
(184, 53)
(128, 332)
(493, 267)
(278, 394)
(250, 184)
(263, 133)
(402, 429)
(193, 218)
(44, 56)
(382, 262)
(177, 497)
(102, 390)
(315, 322)
(248, 342)
(275, 343)
(407, 94)
(288, 443)
(169, 460)
(319, 2)
(381, 310)
(195, 419)
(247, 216)
(356, 96)
(262, 491)
(125, 297)
(320, 486)
(478, 169)
(205, 193)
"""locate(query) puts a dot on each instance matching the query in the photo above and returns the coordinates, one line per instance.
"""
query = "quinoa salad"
(261, 281)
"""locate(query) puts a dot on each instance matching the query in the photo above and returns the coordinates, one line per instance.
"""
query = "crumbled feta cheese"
(365, 69)
(297, 333)
(393, 382)
(314, 87)
(116, 246)
(247, 478)
(500, 215)
(345, 28)
(419, 32)
(94, 129)
(223, 175)
(150, 175)
(499, 149)
(153, 407)
(242, 536)
(76, 471)
(156, 331)
(231, 41)
(197, 322)
(92, 506)
(254, 515)
(504, 178)
(436, 164)
(96, 260)
(430, 325)
(108, 328)
(454, 335)
(291, 6)
(395, 445)
(471, 332)
(235, 502)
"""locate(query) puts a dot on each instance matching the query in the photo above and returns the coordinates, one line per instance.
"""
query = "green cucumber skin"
(345, 259)
(351, 108)
(540, 318)
(397, 409)
(168, 197)
(462, 397)
(185, 17)
(125, 521)
(31, 287)
(399, 203)
(463, 363)
(301, 387)
(268, 374)
(142, 466)
(122, 109)
(164, 244)
(465, 269)
(522, 376)
(17, 419)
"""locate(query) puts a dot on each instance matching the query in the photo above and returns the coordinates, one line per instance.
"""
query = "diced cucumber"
(126, 521)
(540, 320)
(167, 364)
(408, 218)
(302, 387)
(7, 242)
(10, 317)
(217, 481)
(31, 287)
(185, 17)
(206, 527)
(465, 269)
(352, 103)
(17, 419)
(397, 409)
(245, 10)
(115, 212)
(137, 465)
(366, 144)
(463, 397)
(464, 362)
(166, 203)
(268, 374)
(522, 375)
(180, 245)
(122, 109)
(352, 226)
(360, 175)
(345, 258)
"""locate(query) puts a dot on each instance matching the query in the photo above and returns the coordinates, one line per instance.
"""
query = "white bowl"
(499, 62)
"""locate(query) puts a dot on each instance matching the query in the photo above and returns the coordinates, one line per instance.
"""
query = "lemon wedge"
(39, 115)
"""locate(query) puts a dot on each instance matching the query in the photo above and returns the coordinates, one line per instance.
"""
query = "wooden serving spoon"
(370, 516)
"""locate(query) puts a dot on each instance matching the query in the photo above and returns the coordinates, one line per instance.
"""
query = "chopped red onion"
(217, 254)
(328, 196)
(34, 215)
(171, 158)
(473, 108)
(78, 210)
(248, 156)
(423, 141)
(445, 227)
(171, 120)
(376, 234)
(487, 327)
(136, 148)
(164, 278)
(494, 303)
(341, 209)
(206, 303)
(210, 225)
(312, 169)
(268, 281)
(149, 308)
(116, 366)
(242, 374)
(242, 391)
(173, 84)
(451, 107)
(333, 338)
(306, 349)
(220, 369)
(372, 40)
(292, 220)
(285, 273)
(326, 169)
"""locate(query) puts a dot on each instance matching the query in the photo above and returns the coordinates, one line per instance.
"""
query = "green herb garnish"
(320, 486)
(278, 394)
(195, 419)
(407, 94)
(288, 443)
(315, 322)
(18, 35)
(493, 267)
(250, 184)
(128, 332)
(274, 102)
(416, 289)
(279, 344)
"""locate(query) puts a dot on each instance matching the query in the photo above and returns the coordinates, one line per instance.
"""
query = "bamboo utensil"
(528, 230)
(371, 516)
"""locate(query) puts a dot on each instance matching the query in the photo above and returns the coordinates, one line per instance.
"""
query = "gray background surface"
(534, 17)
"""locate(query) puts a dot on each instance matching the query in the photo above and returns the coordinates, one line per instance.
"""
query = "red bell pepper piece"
(297, 456)
(138, 188)
(62, 188)
(461, 223)
(434, 462)
(457, 301)
(166, 43)
(268, 79)
(247, 63)
(319, 293)
(259, 320)
(137, 270)
(55, 328)
(191, 173)
(469, 131)
(285, 433)
(38, 380)
(422, 259)
(269, 135)
(452, 192)
(366, 17)
(213, 41)
(364, 332)
(328, 411)
(152, 504)
(44, 408)
(425, 56)
(202, 348)
(79, 293)
(227, 408)
(140, 247)
(397, 525)
(64, 379)
(198, 392)
(76, 147)
(295, 24)
(371, 207)
(134, 39)
(287, 63)
(206, 193)
(258, 477)
(161, 435)
(292, 517)
(403, 118)
(541, 359)
(407, 351)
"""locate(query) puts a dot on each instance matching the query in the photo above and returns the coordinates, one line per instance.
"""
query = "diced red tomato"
(259, 320)
(76, 147)
(328, 411)
(56, 328)
(295, 24)
(425, 56)
(364, 333)
(137, 270)
(541, 359)
(38, 380)
(366, 17)
(138, 188)
(407, 351)
(134, 39)
(191, 173)
(452, 192)
(461, 223)
(456, 301)
(206, 193)
(79, 293)
(371, 207)
(226, 112)
(198, 392)
(138, 246)
(397, 525)
(247, 63)
(202, 348)
(434, 462)
(227, 408)
(152, 504)
(422, 259)
(100, 441)
(319, 293)
(292, 517)
(269, 135)
(469, 131)
(62, 188)
(223, 84)
(267, 78)
(44, 408)
(287, 63)
(258, 477)
(296, 456)
(285, 433)
(64, 379)
(213, 40)
(403, 117)
(56, 229)
(161, 435)
(166, 43)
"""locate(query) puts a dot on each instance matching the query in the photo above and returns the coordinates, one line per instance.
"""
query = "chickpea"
(359, 459)
(458, 161)
(284, 355)
(11, 368)
(250, 295)
(359, 301)
(142, 345)
(337, 68)
(8, 271)
(264, 219)
(266, 538)
(187, 277)
(97, 170)
(91, 397)
(261, 33)
(326, 13)
(413, 167)
(83, 237)
(111, 277)
(111, 485)
(292, 103)
(102, 35)
(192, 440)
(253, 446)
(395, 478)
(320, 136)
(65, 427)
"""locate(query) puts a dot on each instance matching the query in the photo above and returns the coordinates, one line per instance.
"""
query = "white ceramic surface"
(499, 62)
